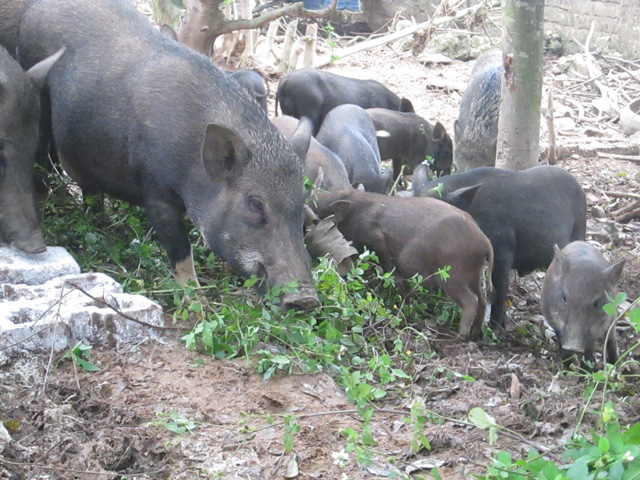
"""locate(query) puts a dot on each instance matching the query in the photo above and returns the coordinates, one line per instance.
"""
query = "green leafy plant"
(80, 356)
(330, 31)
(174, 422)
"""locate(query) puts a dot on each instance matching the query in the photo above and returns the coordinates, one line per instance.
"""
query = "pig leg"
(397, 166)
(612, 347)
(470, 304)
(500, 279)
(167, 218)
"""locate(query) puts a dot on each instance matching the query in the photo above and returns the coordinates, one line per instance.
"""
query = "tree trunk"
(519, 124)
(204, 21)
(202, 17)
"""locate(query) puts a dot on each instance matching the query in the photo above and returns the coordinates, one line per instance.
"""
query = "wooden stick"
(619, 157)
(628, 216)
(551, 150)
(621, 194)
(309, 40)
(628, 208)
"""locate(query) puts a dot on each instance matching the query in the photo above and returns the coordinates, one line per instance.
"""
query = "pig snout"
(305, 299)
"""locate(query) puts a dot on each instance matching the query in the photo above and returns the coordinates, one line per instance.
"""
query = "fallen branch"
(629, 208)
(615, 156)
(447, 85)
(628, 216)
(327, 59)
(621, 194)
(103, 303)
(609, 100)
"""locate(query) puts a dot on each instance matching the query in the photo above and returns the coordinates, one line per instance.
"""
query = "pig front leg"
(167, 218)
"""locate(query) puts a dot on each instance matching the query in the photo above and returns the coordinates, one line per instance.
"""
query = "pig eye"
(564, 297)
(257, 206)
(596, 304)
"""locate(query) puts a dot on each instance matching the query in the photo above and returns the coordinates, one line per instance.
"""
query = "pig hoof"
(30, 247)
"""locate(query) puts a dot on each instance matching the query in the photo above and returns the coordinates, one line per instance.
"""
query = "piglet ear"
(420, 178)
(319, 180)
(560, 259)
(457, 131)
(438, 133)
(463, 197)
(614, 272)
(169, 32)
(224, 153)
(406, 106)
(301, 138)
(39, 72)
(340, 209)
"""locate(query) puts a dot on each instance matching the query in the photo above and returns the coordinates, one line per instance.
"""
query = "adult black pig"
(10, 13)
(574, 290)
(348, 131)
(253, 83)
(524, 214)
(411, 139)
(476, 129)
(148, 120)
(248, 78)
(313, 93)
(320, 161)
(418, 236)
(19, 139)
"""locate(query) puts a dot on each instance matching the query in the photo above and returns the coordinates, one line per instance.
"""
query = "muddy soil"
(111, 424)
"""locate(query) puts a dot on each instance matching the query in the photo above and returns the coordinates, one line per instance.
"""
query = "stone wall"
(617, 23)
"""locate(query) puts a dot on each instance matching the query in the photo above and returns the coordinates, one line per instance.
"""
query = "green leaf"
(84, 364)
(603, 444)
(632, 435)
(579, 470)
(288, 442)
(399, 373)
(481, 419)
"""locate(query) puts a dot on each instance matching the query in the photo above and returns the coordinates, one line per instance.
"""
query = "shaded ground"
(75, 424)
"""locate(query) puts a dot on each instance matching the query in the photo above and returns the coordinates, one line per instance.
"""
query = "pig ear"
(438, 133)
(39, 72)
(463, 197)
(457, 131)
(302, 137)
(223, 152)
(406, 105)
(614, 272)
(319, 180)
(560, 258)
(339, 209)
(420, 178)
(169, 32)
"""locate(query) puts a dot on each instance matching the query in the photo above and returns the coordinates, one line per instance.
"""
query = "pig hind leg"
(500, 279)
(471, 299)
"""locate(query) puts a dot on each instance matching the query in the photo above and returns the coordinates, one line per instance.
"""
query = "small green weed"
(174, 422)
(80, 356)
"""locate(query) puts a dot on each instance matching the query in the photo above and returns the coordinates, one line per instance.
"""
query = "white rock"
(83, 307)
(35, 268)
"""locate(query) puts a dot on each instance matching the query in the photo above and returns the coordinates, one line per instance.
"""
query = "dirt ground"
(75, 424)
